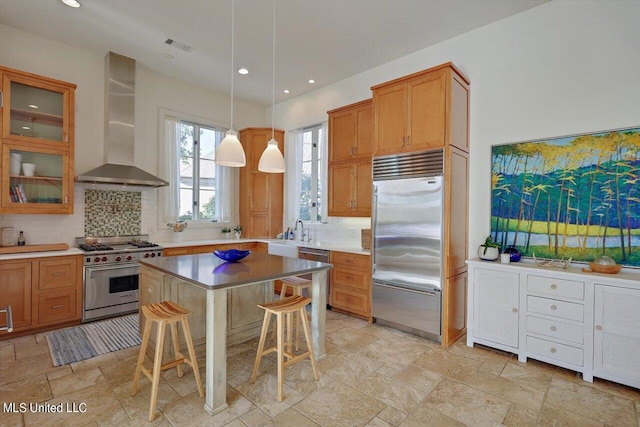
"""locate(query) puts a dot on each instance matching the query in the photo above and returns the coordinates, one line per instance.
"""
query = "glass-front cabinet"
(37, 144)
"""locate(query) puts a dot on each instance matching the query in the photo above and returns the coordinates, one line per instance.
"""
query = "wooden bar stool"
(163, 313)
(285, 307)
(297, 285)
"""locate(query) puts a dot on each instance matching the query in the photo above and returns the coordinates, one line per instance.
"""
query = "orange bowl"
(608, 269)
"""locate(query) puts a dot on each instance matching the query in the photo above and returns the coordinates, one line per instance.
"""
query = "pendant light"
(272, 159)
(230, 151)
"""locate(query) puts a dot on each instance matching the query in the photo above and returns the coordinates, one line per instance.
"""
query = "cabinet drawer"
(352, 278)
(556, 287)
(555, 329)
(350, 300)
(57, 273)
(56, 306)
(176, 251)
(551, 307)
(552, 350)
(352, 260)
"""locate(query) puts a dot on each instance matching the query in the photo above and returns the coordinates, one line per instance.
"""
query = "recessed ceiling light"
(33, 106)
(168, 55)
(243, 71)
(286, 91)
(311, 81)
(71, 3)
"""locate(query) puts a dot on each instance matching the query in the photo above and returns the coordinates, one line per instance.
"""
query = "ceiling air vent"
(178, 45)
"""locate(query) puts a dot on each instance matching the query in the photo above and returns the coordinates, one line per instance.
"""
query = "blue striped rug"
(92, 339)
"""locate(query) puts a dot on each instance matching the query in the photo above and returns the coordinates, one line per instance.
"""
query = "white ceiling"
(327, 40)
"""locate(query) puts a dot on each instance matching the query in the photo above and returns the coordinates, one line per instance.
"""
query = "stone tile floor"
(371, 376)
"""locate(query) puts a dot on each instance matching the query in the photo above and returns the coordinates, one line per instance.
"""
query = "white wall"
(32, 53)
(562, 68)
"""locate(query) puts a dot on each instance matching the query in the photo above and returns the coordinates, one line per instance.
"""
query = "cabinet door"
(259, 201)
(36, 110)
(340, 189)
(427, 108)
(259, 225)
(390, 119)
(36, 181)
(496, 306)
(364, 132)
(616, 353)
(16, 292)
(363, 188)
(342, 135)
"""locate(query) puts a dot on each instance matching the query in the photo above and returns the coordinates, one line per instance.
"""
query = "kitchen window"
(308, 182)
(199, 190)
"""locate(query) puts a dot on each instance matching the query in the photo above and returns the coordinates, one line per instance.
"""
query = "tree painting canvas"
(569, 197)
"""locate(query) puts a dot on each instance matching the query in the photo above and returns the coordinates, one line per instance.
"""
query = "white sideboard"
(586, 322)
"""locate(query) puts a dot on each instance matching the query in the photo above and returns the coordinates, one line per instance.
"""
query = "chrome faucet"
(301, 229)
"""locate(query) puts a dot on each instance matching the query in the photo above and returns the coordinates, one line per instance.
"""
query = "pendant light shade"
(230, 151)
(272, 160)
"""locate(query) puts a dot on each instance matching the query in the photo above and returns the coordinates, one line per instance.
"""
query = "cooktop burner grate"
(90, 247)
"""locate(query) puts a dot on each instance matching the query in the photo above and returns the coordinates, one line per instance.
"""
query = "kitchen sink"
(284, 248)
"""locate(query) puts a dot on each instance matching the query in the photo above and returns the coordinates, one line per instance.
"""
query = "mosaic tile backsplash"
(112, 213)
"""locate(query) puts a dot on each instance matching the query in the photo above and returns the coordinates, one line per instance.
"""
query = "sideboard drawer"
(555, 308)
(553, 350)
(556, 287)
(555, 329)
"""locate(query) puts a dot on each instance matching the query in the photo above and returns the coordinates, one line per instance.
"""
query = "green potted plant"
(226, 232)
(238, 231)
(489, 250)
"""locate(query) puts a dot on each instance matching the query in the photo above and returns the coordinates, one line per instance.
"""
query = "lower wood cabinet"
(43, 293)
(351, 284)
(589, 323)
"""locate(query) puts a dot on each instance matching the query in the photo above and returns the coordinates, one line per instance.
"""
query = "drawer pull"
(126, 295)
(554, 286)
(598, 328)
(59, 273)
(57, 306)
(554, 307)
(553, 350)
(515, 310)
(553, 328)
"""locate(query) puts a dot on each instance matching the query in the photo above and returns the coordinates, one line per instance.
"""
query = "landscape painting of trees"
(570, 197)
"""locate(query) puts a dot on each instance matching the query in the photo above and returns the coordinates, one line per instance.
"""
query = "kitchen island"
(188, 279)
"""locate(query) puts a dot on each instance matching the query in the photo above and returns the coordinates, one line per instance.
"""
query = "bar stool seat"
(165, 313)
(297, 284)
(282, 308)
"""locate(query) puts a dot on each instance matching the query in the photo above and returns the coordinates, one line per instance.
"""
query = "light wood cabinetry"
(43, 292)
(351, 284)
(261, 194)
(585, 322)
(350, 148)
(421, 111)
(201, 249)
(36, 127)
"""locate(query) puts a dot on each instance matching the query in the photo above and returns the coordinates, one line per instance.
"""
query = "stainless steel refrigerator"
(407, 231)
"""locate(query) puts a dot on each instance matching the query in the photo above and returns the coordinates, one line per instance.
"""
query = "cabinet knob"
(553, 350)
(553, 328)
(554, 286)
(598, 327)
(515, 310)
(554, 307)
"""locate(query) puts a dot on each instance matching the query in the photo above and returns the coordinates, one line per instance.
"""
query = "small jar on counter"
(21, 241)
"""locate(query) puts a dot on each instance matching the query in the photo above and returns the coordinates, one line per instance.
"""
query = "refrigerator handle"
(425, 292)
(374, 210)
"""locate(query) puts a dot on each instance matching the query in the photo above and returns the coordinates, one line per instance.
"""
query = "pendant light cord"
(233, 7)
(273, 76)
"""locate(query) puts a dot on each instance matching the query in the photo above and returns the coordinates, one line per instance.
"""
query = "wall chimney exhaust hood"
(120, 89)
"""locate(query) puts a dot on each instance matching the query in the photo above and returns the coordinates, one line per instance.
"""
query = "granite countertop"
(209, 272)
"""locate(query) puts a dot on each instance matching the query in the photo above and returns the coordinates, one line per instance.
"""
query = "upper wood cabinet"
(37, 131)
(261, 194)
(416, 112)
(351, 132)
(350, 148)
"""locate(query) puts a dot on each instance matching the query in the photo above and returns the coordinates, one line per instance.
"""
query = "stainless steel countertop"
(209, 272)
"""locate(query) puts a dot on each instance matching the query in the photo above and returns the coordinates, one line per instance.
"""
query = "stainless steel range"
(111, 273)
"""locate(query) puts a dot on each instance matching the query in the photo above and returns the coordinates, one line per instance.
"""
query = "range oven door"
(110, 290)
